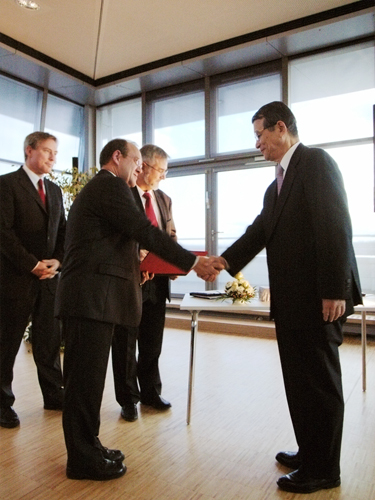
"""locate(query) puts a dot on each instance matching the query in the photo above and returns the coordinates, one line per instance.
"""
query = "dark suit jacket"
(29, 232)
(100, 277)
(158, 289)
(308, 236)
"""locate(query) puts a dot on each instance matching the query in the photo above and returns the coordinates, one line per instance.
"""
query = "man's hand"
(145, 276)
(333, 309)
(208, 268)
(46, 269)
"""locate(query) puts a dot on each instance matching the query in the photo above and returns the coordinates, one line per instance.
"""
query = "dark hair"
(35, 138)
(112, 146)
(149, 151)
(275, 111)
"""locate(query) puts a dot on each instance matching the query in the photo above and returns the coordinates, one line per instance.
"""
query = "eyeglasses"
(160, 170)
(258, 135)
(136, 160)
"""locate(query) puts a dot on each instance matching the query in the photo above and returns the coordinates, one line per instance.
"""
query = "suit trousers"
(36, 305)
(124, 365)
(126, 369)
(312, 378)
(150, 340)
(87, 347)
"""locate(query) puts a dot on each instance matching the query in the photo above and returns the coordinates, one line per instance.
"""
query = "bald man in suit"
(99, 294)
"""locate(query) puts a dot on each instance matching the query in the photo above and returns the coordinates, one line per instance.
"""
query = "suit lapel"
(137, 198)
(287, 186)
(162, 208)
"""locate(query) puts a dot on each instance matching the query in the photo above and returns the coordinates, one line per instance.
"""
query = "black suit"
(307, 233)
(150, 331)
(29, 233)
(99, 293)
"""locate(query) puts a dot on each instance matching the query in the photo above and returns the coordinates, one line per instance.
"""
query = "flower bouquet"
(239, 290)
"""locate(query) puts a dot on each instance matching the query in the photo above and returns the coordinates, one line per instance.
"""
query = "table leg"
(194, 328)
(364, 345)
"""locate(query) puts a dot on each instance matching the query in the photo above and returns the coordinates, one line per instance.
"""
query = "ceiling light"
(28, 4)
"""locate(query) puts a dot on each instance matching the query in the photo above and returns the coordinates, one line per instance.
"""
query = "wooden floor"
(239, 421)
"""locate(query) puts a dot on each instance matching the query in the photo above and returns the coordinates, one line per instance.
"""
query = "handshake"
(208, 268)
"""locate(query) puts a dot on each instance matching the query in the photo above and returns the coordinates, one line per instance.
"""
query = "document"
(154, 264)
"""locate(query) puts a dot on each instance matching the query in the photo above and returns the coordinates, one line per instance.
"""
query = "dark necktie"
(279, 177)
(150, 210)
(41, 191)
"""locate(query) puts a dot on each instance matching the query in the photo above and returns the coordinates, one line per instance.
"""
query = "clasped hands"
(46, 269)
(208, 268)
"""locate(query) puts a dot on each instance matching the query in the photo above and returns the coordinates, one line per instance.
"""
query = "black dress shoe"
(158, 403)
(129, 412)
(113, 455)
(8, 418)
(297, 482)
(103, 471)
(288, 459)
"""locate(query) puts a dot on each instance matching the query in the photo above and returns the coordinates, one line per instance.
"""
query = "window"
(65, 120)
(188, 206)
(235, 106)
(240, 200)
(357, 167)
(20, 112)
(122, 120)
(178, 125)
(332, 94)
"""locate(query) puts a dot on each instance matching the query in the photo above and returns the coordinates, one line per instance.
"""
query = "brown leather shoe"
(8, 418)
(297, 482)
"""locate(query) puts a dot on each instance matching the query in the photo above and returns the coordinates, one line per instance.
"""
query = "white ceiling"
(102, 37)
(103, 50)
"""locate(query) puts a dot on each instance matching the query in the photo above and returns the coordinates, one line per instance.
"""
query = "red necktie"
(150, 210)
(279, 177)
(41, 191)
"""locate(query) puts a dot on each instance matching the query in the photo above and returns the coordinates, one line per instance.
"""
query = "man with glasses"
(305, 227)
(99, 294)
(154, 295)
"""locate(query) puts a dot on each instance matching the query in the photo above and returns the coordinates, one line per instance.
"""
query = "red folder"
(154, 264)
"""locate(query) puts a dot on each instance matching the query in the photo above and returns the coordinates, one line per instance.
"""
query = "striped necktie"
(279, 177)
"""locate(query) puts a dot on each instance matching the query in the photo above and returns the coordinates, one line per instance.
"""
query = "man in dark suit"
(32, 241)
(99, 293)
(154, 295)
(314, 284)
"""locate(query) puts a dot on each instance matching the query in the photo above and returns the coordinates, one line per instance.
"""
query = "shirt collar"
(33, 176)
(141, 192)
(288, 156)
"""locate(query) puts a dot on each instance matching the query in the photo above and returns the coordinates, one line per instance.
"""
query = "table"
(195, 305)
(368, 306)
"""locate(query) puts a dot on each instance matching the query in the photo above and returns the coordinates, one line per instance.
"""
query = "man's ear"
(281, 127)
(28, 151)
(116, 155)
